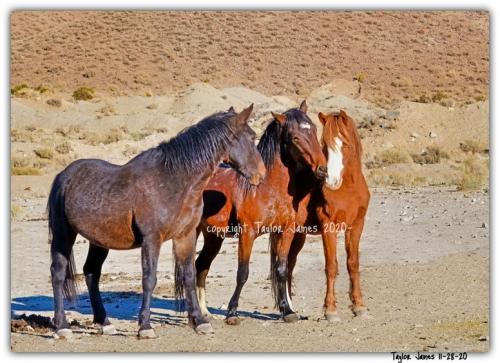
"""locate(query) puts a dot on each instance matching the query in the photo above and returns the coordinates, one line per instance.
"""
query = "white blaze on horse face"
(335, 166)
(304, 125)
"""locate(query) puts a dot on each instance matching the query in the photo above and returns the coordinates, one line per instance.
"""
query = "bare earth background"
(417, 85)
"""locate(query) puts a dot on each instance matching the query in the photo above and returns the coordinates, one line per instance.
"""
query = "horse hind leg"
(62, 270)
(245, 246)
(297, 244)
(211, 247)
(92, 271)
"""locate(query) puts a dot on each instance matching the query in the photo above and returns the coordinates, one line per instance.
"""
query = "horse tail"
(272, 269)
(59, 232)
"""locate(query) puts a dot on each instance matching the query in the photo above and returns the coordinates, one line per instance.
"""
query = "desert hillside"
(396, 55)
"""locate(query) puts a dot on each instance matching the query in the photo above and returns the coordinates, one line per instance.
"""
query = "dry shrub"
(19, 89)
(64, 148)
(25, 170)
(71, 130)
(17, 135)
(16, 211)
(44, 153)
(380, 177)
(473, 146)
(54, 102)
(392, 156)
(431, 155)
(130, 150)
(475, 173)
(84, 94)
(94, 138)
(107, 110)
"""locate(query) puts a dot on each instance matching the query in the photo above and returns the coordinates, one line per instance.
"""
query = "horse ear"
(244, 115)
(343, 114)
(303, 106)
(279, 117)
(231, 109)
(322, 118)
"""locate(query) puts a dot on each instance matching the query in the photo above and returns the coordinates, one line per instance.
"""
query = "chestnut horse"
(339, 205)
(293, 159)
(156, 196)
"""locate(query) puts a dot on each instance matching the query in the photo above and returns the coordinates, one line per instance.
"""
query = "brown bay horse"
(155, 197)
(338, 205)
(294, 160)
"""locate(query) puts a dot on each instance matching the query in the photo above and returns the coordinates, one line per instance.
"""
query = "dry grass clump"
(84, 94)
(475, 172)
(44, 153)
(16, 211)
(130, 151)
(94, 138)
(431, 155)
(71, 130)
(473, 146)
(25, 170)
(54, 102)
(107, 110)
(379, 177)
(17, 135)
(392, 156)
(25, 166)
(19, 89)
(64, 148)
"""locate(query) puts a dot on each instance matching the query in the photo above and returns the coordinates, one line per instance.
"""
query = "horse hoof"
(64, 333)
(205, 328)
(362, 313)
(107, 329)
(332, 316)
(147, 334)
(233, 320)
(291, 318)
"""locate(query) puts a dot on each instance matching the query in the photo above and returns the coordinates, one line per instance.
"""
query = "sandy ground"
(425, 278)
(398, 55)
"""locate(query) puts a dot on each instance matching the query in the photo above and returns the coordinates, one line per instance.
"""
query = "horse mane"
(350, 132)
(196, 146)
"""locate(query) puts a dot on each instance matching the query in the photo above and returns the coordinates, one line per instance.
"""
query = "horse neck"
(282, 174)
(353, 173)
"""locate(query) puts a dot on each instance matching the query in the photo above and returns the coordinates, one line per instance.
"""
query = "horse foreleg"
(211, 247)
(331, 268)
(92, 271)
(184, 252)
(282, 295)
(297, 243)
(245, 245)
(149, 256)
(352, 237)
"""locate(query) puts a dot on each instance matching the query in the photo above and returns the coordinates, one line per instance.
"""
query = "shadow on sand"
(123, 306)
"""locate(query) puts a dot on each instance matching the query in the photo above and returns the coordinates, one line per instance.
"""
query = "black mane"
(270, 143)
(196, 146)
